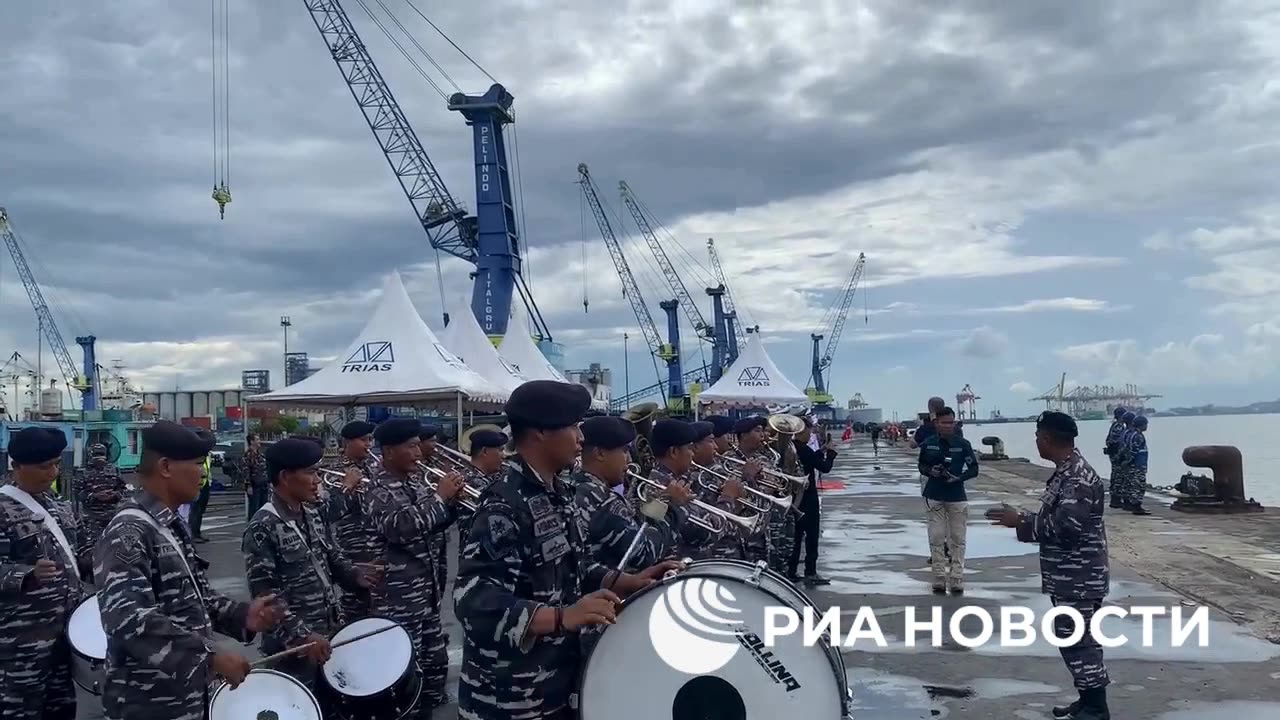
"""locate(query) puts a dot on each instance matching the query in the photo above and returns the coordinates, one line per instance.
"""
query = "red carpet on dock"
(830, 484)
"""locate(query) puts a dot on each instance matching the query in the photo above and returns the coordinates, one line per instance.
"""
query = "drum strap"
(51, 522)
(173, 542)
(321, 571)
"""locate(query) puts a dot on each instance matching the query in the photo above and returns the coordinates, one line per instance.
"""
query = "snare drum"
(692, 647)
(264, 695)
(374, 678)
(88, 646)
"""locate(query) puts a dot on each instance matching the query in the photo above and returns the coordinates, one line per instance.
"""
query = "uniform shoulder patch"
(128, 545)
(501, 535)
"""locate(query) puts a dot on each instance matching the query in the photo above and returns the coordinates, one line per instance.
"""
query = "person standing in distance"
(158, 609)
(808, 526)
(1111, 448)
(1074, 570)
(948, 461)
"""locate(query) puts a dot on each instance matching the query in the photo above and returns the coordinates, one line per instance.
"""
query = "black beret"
(702, 430)
(397, 431)
(429, 431)
(35, 445)
(607, 433)
(747, 424)
(357, 429)
(488, 439)
(97, 450)
(293, 453)
(177, 442)
(721, 424)
(547, 404)
(1056, 422)
(669, 433)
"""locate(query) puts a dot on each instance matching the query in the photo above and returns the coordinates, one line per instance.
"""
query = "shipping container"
(234, 412)
(200, 421)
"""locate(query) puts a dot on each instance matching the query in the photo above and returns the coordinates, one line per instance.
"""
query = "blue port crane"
(489, 239)
(84, 382)
(683, 299)
(817, 390)
(668, 352)
(735, 338)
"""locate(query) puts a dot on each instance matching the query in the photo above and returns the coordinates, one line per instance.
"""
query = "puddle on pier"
(1228, 710)
(996, 688)
(891, 697)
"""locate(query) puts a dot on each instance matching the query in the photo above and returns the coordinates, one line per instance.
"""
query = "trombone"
(643, 486)
(453, 458)
(470, 498)
(762, 505)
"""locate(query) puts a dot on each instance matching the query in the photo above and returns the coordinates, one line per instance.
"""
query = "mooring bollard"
(1224, 493)
(997, 449)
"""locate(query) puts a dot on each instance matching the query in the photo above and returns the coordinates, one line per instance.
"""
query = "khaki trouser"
(948, 523)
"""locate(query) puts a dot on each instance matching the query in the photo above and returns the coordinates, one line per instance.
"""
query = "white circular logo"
(693, 627)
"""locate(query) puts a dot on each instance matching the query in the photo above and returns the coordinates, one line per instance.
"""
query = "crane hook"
(222, 196)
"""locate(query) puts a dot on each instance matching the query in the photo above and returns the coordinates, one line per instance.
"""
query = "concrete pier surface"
(875, 552)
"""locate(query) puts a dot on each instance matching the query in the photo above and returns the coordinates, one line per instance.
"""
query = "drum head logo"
(694, 627)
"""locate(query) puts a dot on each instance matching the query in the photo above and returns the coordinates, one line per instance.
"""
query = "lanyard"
(173, 542)
(51, 522)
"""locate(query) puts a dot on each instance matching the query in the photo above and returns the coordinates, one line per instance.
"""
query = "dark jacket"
(956, 456)
(813, 462)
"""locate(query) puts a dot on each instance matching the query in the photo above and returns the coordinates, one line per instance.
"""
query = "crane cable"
(220, 64)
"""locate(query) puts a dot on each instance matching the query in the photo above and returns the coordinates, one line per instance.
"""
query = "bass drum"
(88, 646)
(691, 648)
(264, 695)
(373, 678)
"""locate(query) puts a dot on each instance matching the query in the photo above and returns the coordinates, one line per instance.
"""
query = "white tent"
(753, 381)
(522, 353)
(465, 339)
(395, 359)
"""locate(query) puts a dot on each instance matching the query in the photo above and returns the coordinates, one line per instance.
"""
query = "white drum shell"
(370, 665)
(625, 676)
(88, 642)
(264, 691)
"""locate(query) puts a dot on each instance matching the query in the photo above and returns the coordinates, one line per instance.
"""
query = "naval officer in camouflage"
(41, 553)
(672, 442)
(406, 513)
(1073, 555)
(486, 468)
(158, 609)
(751, 448)
(290, 553)
(345, 514)
(606, 521)
(429, 440)
(713, 490)
(527, 583)
(99, 491)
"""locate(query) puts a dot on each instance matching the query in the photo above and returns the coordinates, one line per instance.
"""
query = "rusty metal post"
(1228, 481)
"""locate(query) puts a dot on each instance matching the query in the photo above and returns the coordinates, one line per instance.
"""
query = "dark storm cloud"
(105, 134)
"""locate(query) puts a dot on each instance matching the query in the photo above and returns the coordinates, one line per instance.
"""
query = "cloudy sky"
(1040, 188)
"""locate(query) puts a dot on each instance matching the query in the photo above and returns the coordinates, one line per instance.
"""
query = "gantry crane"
(735, 339)
(85, 382)
(488, 239)
(817, 390)
(668, 352)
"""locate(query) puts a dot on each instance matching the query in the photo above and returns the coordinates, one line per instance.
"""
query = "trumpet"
(758, 501)
(334, 478)
(470, 498)
(775, 480)
(643, 487)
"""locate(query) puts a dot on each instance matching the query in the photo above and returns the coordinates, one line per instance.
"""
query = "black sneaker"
(1066, 711)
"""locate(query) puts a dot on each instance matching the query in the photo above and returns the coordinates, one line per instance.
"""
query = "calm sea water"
(1166, 438)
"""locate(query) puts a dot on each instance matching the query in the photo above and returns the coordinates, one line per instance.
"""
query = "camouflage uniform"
(1134, 488)
(35, 657)
(95, 513)
(642, 455)
(692, 538)
(439, 541)
(782, 523)
(292, 555)
(1111, 449)
(728, 544)
(1073, 558)
(758, 545)
(524, 552)
(608, 524)
(344, 514)
(405, 515)
(481, 482)
(159, 625)
(253, 468)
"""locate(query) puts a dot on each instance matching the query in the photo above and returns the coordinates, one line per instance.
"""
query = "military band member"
(158, 609)
(712, 490)
(672, 444)
(782, 523)
(344, 510)
(486, 469)
(1074, 571)
(41, 555)
(428, 439)
(751, 434)
(641, 416)
(290, 553)
(98, 493)
(526, 582)
(606, 521)
(406, 514)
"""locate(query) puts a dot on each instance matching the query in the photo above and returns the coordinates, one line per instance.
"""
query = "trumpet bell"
(464, 441)
(786, 424)
(640, 413)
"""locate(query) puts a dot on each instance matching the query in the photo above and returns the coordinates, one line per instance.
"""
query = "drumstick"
(307, 646)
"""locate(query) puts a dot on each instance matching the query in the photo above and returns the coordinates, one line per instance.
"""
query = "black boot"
(1139, 510)
(1115, 502)
(1093, 705)
(1066, 711)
